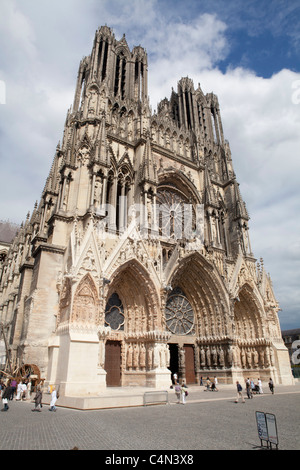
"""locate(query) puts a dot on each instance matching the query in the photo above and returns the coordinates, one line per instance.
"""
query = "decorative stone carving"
(85, 302)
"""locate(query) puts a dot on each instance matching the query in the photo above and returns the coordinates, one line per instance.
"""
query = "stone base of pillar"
(159, 378)
(84, 388)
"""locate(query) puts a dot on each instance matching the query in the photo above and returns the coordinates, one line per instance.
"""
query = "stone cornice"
(49, 248)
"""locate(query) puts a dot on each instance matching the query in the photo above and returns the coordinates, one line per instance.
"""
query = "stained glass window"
(114, 313)
(179, 313)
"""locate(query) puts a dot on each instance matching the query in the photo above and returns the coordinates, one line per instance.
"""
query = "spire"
(240, 206)
(101, 154)
(209, 193)
(148, 170)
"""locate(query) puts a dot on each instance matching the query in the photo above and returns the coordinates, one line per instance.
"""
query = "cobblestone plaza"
(208, 421)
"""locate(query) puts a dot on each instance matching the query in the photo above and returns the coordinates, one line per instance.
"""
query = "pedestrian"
(252, 385)
(271, 385)
(175, 378)
(19, 391)
(239, 390)
(23, 391)
(214, 385)
(28, 389)
(177, 391)
(5, 397)
(2, 387)
(38, 400)
(13, 386)
(248, 389)
(53, 400)
(259, 383)
(207, 383)
(184, 393)
(201, 380)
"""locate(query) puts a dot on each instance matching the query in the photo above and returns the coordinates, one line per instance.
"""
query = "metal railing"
(156, 397)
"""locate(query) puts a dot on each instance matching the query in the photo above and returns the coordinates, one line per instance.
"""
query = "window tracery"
(179, 314)
(114, 313)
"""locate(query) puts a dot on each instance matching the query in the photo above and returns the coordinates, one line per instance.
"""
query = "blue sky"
(246, 52)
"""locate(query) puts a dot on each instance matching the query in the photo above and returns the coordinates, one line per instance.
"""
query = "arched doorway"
(131, 313)
(201, 325)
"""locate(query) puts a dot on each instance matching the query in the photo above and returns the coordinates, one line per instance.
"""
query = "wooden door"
(190, 374)
(113, 363)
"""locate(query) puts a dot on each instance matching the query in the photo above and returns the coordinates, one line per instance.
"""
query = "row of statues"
(148, 356)
(245, 357)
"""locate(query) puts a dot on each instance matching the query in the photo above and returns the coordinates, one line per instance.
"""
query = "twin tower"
(136, 263)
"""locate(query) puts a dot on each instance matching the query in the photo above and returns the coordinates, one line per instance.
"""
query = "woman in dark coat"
(5, 397)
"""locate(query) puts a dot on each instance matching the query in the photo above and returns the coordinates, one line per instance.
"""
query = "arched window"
(120, 76)
(102, 58)
(138, 78)
(114, 313)
(176, 216)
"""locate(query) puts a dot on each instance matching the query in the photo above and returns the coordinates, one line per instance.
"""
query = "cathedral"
(136, 262)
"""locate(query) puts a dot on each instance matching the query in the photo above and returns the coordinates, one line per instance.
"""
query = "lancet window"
(138, 78)
(102, 59)
(120, 76)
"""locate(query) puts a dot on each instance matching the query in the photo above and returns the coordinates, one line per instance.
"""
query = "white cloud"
(262, 123)
(183, 49)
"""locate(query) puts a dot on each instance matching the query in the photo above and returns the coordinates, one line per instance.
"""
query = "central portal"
(174, 361)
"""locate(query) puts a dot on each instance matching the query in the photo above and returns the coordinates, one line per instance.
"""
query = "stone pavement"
(208, 421)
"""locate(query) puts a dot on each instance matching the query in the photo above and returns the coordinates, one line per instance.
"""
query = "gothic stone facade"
(104, 285)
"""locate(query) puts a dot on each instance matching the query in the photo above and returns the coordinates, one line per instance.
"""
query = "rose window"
(179, 314)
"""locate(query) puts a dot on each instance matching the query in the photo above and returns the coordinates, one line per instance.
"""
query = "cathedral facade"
(137, 261)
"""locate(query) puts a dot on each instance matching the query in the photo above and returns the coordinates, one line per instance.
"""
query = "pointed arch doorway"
(174, 359)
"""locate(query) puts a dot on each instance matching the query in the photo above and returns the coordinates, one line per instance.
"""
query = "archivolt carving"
(139, 297)
(206, 294)
(85, 302)
(248, 321)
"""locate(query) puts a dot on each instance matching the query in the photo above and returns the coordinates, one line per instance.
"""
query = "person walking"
(175, 377)
(13, 386)
(252, 385)
(259, 383)
(53, 400)
(38, 400)
(239, 390)
(29, 389)
(248, 389)
(5, 397)
(271, 386)
(177, 391)
(19, 391)
(24, 391)
(184, 393)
